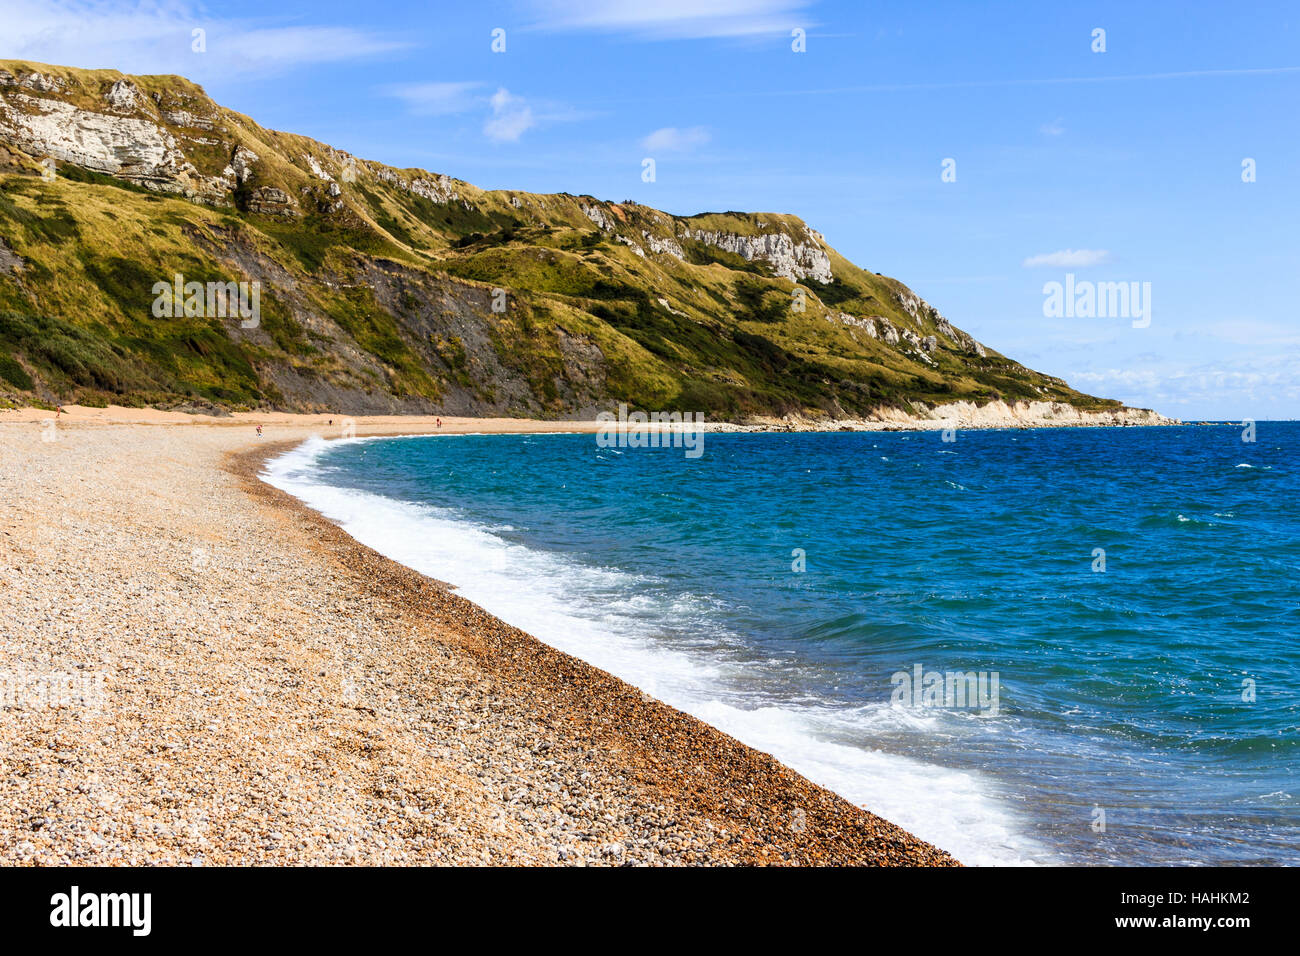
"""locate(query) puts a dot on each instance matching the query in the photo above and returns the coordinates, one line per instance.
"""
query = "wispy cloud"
(511, 117)
(1068, 258)
(158, 37)
(1054, 128)
(670, 19)
(670, 139)
(505, 116)
(437, 99)
(293, 46)
(1254, 386)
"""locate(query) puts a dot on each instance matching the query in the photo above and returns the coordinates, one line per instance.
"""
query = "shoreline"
(958, 416)
(491, 746)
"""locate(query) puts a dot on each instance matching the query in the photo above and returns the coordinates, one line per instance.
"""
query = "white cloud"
(291, 46)
(508, 116)
(511, 117)
(671, 19)
(1068, 258)
(670, 139)
(1252, 386)
(1054, 128)
(157, 37)
(437, 99)
(1117, 378)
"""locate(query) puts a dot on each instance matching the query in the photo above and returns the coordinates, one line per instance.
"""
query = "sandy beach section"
(197, 669)
(956, 415)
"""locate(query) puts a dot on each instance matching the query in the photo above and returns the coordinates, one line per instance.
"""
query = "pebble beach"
(196, 669)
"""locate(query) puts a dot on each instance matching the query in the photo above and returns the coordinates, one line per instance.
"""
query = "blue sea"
(1127, 600)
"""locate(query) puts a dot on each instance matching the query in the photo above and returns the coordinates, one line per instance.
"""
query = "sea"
(1059, 646)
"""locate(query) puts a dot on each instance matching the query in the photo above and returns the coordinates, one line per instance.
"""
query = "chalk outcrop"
(439, 190)
(133, 149)
(922, 311)
(1001, 414)
(598, 215)
(662, 245)
(965, 415)
(786, 257)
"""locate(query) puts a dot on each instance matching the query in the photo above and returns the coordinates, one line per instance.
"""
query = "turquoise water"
(1124, 729)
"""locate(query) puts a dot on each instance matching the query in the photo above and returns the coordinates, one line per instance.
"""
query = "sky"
(976, 152)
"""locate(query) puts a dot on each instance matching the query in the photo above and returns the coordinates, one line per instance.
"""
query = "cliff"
(401, 290)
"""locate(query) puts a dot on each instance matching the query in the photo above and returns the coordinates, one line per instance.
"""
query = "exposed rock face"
(143, 138)
(241, 164)
(631, 245)
(1000, 414)
(598, 216)
(917, 345)
(10, 262)
(32, 81)
(318, 169)
(788, 259)
(880, 328)
(271, 201)
(867, 324)
(920, 310)
(914, 305)
(440, 190)
(962, 340)
(965, 414)
(123, 97)
(189, 120)
(661, 246)
(133, 149)
(876, 326)
(585, 367)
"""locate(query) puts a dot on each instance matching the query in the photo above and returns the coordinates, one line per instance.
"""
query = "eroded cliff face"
(127, 137)
(922, 311)
(789, 254)
(170, 140)
(788, 258)
(968, 415)
(1000, 414)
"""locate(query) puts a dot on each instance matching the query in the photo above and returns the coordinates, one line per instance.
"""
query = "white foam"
(606, 617)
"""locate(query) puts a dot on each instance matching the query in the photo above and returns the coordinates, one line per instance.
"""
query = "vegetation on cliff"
(386, 290)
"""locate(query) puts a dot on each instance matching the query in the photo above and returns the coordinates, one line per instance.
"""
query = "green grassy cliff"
(386, 290)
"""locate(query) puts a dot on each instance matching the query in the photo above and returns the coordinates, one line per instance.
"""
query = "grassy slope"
(713, 333)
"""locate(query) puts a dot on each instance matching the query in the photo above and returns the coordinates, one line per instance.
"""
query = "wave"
(621, 622)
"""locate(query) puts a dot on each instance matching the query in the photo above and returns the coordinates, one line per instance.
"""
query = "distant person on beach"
(439, 422)
(259, 431)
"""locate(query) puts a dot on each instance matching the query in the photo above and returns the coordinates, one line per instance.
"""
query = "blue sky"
(1117, 166)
